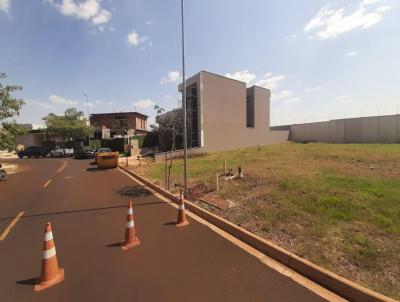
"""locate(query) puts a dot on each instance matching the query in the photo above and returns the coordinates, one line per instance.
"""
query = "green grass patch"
(336, 205)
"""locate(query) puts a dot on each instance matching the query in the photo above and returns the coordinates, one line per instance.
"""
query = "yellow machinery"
(107, 160)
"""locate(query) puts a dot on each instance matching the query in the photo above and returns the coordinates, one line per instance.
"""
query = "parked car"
(61, 152)
(33, 151)
(85, 152)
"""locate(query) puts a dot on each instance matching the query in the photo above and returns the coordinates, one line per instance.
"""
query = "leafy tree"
(10, 107)
(170, 125)
(71, 126)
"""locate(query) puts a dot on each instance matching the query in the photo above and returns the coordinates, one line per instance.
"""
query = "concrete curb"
(8, 155)
(338, 285)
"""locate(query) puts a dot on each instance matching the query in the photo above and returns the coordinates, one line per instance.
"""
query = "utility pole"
(184, 103)
(88, 115)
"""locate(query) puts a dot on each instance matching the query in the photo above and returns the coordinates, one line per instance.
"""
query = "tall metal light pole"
(87, 107)
(184, 102)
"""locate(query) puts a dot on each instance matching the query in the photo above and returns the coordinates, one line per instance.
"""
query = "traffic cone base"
(41, 285)
(135, 242)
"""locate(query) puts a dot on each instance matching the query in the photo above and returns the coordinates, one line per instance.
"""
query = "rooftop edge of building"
(218, 75)
(128, 112)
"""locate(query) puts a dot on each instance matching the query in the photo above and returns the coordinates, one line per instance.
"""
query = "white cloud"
(244, 76)
(312, 89)
(269, 81)
(330, 23)
(39, 104)
(171, 77)
(134, 39)
(102, 17)
(149, 22)
(167, 96)
(88, 10)
(144, 104)
(291, 37)
(345, 99)
(5, 5)
(292, 101)
(88, 104)
(281, 95)
(352, 53)
(57, 100)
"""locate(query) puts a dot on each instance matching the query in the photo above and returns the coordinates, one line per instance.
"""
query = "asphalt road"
(87, 209)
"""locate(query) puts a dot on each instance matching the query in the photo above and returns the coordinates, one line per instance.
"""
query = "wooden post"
(225, 167)
(216, 182)
(126, 161)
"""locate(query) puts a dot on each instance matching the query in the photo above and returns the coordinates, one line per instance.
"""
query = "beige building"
(224, 114)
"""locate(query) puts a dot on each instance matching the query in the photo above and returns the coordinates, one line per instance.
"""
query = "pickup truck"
(61, 152)
(33, 151)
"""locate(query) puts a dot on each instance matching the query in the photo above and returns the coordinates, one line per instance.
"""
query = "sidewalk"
(9, 167)
(6, 154)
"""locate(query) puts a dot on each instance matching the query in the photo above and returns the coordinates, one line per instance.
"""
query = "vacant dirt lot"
(336, 205)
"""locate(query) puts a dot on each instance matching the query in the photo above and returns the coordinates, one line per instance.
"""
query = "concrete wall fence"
(374, 129)
(159, 157)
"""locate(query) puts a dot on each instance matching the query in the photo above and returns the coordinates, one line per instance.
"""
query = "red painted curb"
(335, 283)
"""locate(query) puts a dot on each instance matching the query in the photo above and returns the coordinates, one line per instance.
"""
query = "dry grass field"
(336, 205)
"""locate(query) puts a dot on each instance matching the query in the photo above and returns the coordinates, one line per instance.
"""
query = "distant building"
(33, 126)
(119, 123)
(224, 114)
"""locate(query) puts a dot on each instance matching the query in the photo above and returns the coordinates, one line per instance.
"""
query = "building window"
(249, 112)
(192, 112)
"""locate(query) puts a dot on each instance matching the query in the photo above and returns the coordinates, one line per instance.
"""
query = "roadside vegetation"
(336, 205)
(10, 108)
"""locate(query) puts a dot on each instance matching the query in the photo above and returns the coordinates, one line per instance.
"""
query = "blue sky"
(320, 59)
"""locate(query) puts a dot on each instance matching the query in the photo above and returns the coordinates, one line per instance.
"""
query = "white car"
(61, 152)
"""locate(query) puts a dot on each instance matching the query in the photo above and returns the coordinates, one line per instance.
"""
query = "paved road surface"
(87, 208)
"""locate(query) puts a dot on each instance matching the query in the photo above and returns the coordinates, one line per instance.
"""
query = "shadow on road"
(95, 169)
(133, 191)
(170, 223)
(116, 244)
(31, 281)
(86, 210)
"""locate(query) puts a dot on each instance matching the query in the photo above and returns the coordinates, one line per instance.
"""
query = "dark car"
(34, 151)
(85, 152)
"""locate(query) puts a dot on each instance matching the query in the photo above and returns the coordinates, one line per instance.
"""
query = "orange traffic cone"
(181, 220)
(130, 234)
(51, 274)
